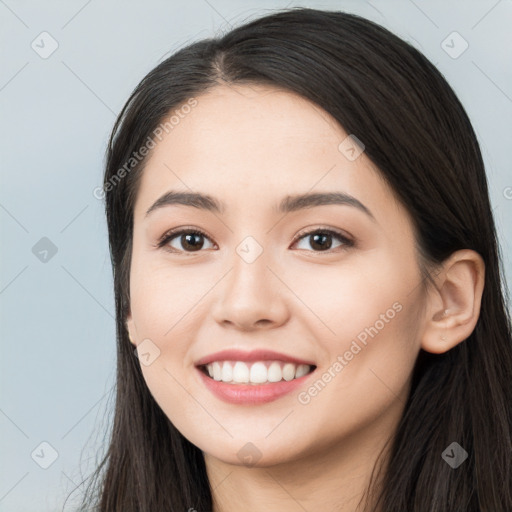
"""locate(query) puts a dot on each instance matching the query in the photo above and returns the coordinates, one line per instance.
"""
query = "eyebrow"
(290, 203)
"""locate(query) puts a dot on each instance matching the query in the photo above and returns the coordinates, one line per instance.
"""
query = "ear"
(453, 305)
(132, 331)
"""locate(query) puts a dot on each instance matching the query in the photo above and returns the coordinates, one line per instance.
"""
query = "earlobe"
(454, 305)
(130, 327)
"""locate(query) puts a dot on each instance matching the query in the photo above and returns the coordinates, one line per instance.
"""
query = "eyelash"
(173, 233)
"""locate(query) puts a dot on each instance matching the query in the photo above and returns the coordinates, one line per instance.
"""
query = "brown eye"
(191, 241)
(321, 240)
(187, 240)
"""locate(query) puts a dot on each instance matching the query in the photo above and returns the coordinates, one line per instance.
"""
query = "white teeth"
(217, 372)
(288, 371)
(240, 372)
(259, 372)
(227, 372)
(302, 369)
(274, 372)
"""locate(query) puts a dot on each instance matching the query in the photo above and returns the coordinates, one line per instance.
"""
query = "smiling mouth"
(255, 373)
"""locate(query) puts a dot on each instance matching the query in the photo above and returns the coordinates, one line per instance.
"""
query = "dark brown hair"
(417, 133)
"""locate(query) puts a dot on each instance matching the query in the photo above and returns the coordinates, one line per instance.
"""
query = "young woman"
(310, 313)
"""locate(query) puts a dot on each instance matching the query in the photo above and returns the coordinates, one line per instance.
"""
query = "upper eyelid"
(326, 229)
(172, 233)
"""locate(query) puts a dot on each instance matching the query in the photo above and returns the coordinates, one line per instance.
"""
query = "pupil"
(190, 239)
(320, 240)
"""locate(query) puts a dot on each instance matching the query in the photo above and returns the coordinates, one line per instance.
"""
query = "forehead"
(250, 146)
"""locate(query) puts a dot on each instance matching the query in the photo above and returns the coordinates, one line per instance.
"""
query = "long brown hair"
(418, 134)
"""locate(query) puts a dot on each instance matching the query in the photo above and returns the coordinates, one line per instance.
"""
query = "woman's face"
(267, 277)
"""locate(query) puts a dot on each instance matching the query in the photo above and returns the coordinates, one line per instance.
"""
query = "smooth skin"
(249, 147)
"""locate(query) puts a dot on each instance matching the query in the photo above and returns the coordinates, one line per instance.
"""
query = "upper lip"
(253, 355)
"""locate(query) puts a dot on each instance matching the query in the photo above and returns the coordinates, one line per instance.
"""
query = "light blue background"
(57, 326)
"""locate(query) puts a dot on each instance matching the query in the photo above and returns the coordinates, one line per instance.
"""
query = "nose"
(251, 297)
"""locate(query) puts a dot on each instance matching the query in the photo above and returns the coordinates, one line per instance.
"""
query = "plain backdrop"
(67, 67)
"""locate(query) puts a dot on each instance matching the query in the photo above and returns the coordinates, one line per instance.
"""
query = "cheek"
(162, 306)
(367, 376)
(370, 314)
(158, 302)
(345, 299)
(161, 295)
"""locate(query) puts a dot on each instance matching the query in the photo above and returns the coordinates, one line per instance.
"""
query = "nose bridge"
(250, 275)
(251, 292)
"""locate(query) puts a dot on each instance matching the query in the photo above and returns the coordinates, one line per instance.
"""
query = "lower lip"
(251, 394)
